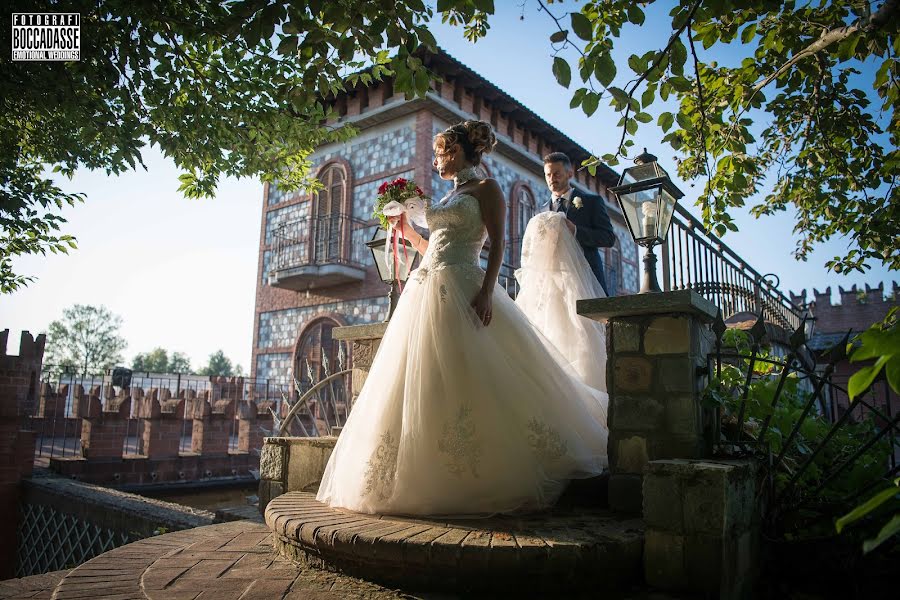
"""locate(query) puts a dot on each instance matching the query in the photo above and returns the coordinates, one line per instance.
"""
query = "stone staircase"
(579, 544)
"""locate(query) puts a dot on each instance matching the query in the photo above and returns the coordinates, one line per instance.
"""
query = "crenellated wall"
(132, 436)
(856, 310)
(19, 382)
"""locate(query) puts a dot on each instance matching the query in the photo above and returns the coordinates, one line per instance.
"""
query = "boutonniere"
(577, 202)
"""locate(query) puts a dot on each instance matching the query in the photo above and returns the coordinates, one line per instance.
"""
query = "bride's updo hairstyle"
(474, 137)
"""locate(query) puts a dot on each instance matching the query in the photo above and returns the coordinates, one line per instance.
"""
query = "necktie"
(560, 204)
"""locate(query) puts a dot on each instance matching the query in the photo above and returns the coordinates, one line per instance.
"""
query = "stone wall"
(66, 522)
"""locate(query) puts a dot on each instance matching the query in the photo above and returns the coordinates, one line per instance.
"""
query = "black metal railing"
(821, 456)
(692, 257)
(319, 240)
(65, 398)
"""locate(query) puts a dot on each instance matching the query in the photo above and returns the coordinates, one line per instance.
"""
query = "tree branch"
(879, 19)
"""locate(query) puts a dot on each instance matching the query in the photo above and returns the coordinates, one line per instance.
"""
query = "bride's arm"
(493, 212)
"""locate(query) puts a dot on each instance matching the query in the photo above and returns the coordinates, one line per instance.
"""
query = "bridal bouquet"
(400, 198)
(404, 199)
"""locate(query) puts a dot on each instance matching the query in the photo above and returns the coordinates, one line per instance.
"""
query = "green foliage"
(889, 497)
(793, 120)
(219, 364)
(85, 339)
(880, 342)
(158, 361)
(225, 89)
(725, 393)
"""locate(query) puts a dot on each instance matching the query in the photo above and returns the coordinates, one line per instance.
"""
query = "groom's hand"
(571, 226)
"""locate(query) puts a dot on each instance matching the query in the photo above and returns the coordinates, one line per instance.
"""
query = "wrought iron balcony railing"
(692, 257)
(318, 252)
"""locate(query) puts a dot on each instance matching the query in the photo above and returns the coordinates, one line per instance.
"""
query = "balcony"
(318, 252)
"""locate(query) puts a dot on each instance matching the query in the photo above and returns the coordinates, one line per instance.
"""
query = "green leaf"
(559, 36)
(643, 117)
(635, 14)
(888, 531)
(748, 33)
(678, 54)
(866, 507)
(605, 69)
(631, 126)
(581, 25)
(862, 379)
(562, 71)
(665, 121)
(648, 96)
(590, 104)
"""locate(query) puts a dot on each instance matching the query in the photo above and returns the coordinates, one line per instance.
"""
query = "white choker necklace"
(464, 176)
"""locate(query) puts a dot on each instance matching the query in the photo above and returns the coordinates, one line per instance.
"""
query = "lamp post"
(384, 262)
(647, 198)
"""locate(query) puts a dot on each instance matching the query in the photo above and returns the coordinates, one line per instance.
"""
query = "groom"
(586, 213)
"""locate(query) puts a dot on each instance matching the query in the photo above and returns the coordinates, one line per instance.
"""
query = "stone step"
(567, 547)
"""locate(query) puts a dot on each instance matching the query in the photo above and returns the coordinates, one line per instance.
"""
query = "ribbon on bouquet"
(392, 243)
(410, 210)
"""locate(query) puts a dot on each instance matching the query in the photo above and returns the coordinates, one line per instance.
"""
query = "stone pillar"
(292, 464)
(104, 427)
(212, 426)
(702, 533)
(365, 340)
(657, 346)
(162, 426)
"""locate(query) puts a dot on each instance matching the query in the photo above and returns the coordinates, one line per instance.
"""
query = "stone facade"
(395, 140)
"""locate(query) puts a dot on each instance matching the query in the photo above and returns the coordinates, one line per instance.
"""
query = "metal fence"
(692, 257)
(820, 458)
(65, 399)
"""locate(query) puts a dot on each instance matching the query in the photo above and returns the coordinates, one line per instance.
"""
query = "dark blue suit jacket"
(594, 230)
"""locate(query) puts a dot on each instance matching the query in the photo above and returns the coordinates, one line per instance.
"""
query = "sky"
(182, 273)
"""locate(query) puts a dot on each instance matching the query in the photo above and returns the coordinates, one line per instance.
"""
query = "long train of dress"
(456, 418)
(553, 276)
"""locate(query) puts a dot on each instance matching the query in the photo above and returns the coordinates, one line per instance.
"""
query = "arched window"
(525, 208)
(613, 269)
(330, 219)
(522, 207)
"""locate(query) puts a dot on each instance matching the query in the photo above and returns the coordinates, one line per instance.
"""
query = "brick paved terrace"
(228, 561)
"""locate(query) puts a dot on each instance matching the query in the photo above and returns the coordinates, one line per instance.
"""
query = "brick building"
(856, 312)
(315, 272)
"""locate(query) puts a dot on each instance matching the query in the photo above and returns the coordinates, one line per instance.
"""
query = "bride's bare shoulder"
(488, 190)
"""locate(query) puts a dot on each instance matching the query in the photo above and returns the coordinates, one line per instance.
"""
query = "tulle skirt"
(456, 418)
(553, 277)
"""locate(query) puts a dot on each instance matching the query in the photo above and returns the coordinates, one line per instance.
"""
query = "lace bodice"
(457, 232)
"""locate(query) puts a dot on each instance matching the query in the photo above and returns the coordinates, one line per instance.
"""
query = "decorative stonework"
(280, 329)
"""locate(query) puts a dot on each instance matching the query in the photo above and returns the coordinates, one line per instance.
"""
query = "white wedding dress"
(456, 418)
(553, 276)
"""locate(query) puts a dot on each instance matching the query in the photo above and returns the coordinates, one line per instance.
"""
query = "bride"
(467, 409)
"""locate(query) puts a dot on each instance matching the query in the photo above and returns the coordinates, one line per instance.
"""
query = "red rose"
(383, 187)
(419, 191)
(399, 181)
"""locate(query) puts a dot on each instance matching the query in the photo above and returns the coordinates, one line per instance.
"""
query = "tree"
(85, 339)
(228, 88)
(219, 364)
(797, 108)
(158, 361)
